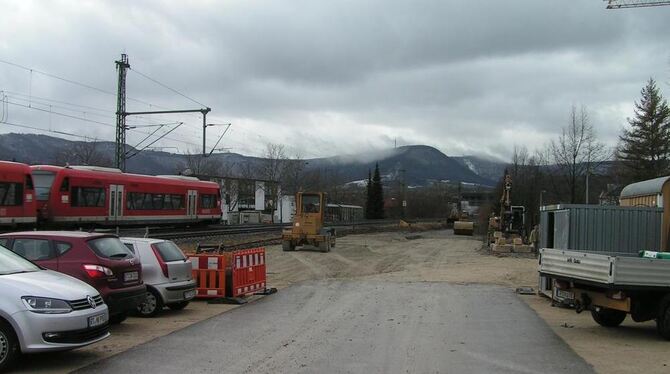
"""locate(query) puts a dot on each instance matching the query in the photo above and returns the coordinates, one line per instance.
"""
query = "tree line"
(577, 168)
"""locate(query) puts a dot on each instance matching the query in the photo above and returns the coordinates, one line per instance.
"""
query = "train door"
(115, 202)
(192, 204)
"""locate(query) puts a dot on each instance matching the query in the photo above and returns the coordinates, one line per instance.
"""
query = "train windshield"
(43, 180)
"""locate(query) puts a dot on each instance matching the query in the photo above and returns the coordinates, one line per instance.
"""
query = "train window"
(33, 249)
(147, 201)
(29, 182)
(87, 197)
(43, 181)
(177, 201)
(207, 201)
(11, 194)
(157, 201)
(65, 185)
(3, 242)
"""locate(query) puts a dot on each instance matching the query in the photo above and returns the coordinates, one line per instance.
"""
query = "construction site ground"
(403, 257)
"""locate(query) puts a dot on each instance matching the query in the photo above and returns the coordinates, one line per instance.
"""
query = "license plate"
(189, 294)
(131, 276)
(98, 320)
(565, 294)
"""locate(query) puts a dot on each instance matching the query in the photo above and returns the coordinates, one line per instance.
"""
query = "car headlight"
(46, 305)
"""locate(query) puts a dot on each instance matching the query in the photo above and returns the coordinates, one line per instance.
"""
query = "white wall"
(260, 195)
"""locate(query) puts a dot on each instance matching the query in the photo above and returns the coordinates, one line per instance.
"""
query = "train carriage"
(109, 197)
(17, 196)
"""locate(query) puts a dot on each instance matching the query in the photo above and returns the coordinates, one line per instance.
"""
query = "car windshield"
(11, 263)
(169, 251)
(42, 181)
(109, 247)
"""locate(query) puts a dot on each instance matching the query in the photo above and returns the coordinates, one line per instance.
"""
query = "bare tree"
(576, 149)
(83, 153)
(196, 164)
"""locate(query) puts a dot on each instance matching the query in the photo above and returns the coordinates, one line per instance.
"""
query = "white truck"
(611, 286)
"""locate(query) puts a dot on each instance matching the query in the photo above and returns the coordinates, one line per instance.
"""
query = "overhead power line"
(168, 87)
(71, 81)
(59, 113)
(45, 130)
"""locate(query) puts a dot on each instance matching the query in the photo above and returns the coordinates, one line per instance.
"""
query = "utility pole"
(403, 202)
(120, 153)
(122, 67)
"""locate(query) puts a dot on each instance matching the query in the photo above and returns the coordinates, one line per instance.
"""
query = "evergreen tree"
(645, 147)
(368, 200)
(377, 195)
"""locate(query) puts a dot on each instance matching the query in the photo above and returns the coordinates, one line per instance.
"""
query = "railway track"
(224, 230)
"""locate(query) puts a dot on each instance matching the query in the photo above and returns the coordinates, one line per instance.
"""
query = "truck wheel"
(287, 246)
(325, 246)
(663, 320)
(9, 346)
(608, 317)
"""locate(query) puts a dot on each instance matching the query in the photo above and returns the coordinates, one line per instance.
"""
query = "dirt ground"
(440, 256)
(401, 256)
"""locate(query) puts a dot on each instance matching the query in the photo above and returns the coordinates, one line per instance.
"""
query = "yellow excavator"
(307, 228)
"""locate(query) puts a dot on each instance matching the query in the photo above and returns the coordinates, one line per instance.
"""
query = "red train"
(17, 195)
(84, 195)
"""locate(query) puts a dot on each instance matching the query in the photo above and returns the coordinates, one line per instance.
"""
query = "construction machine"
(308, 228)
(464, 225)
(507, 231)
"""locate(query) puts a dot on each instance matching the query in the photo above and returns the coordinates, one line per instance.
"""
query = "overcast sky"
(332, 77)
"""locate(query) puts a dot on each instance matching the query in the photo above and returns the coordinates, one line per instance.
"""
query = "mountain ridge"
(419, 165)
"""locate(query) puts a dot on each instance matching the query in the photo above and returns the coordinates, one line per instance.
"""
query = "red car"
(17, 197)
(100, 260)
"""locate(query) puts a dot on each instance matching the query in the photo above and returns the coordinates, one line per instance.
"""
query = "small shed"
(651, 193)
(646, 193)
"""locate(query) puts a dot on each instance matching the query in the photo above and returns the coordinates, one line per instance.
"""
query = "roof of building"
(644, 188)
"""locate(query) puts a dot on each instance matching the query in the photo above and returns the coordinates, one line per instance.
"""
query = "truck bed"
(605, 270)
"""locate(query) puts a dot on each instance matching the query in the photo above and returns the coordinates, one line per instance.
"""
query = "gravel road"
(362, 326)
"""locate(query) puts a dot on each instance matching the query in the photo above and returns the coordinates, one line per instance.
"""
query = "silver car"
(166, 272)
(44, 310)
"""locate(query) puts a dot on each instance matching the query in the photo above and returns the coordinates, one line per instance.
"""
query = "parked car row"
(61, 290)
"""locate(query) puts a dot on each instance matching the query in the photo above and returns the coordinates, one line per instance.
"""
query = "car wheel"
(608, 317)
(178, 306)
(9, 346)
(151, 305)
(115, 319)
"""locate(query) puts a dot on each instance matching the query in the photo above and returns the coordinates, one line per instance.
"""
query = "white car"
(43, 310)
(166, 272)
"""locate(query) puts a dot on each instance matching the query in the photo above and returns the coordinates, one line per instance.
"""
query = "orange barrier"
(248, 271)
(209, 272)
